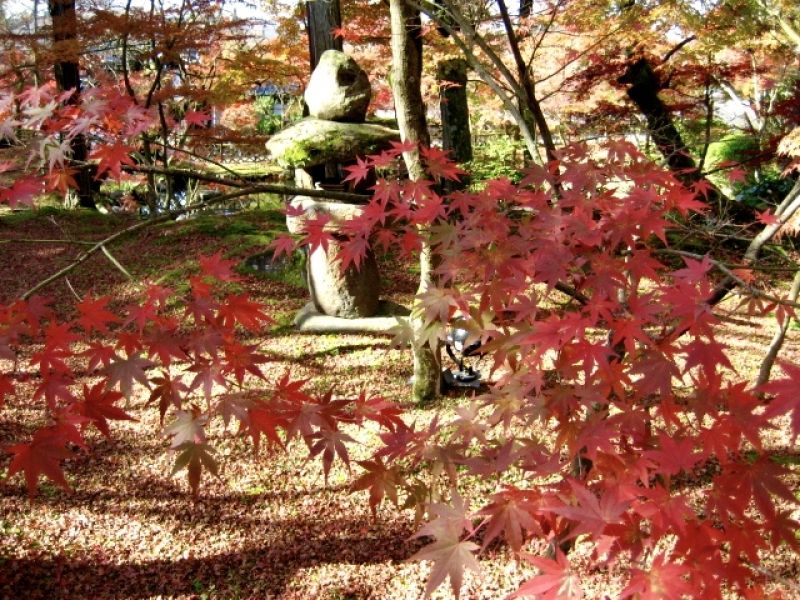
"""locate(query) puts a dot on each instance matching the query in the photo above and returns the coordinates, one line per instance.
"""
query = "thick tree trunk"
(67, 75)
(410, 110)
(322, 17)
(456, 137)
(643, 90)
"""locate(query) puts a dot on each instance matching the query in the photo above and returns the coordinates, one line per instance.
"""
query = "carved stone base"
(309, 319)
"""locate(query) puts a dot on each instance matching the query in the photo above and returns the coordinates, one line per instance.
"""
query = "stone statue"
(337, 96)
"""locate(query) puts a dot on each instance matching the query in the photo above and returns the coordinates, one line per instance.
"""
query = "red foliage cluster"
(610, 388)
(193, 364)
(610, 399)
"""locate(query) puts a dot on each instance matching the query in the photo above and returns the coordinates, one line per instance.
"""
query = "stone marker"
(339, 89)
(313, 142)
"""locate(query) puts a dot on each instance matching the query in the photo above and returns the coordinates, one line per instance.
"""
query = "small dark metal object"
(465, 376)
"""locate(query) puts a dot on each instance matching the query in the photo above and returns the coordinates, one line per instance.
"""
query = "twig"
(115, 262)
(740, 283)
(98, 246)
(255, 189)
(35, 241)
(777, 340)
(72, 289)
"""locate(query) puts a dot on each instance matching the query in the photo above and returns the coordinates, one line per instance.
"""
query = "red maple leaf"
(22, 191)
(359, 171)
(198, 118)
(380, 480)
(766, 217)
(556, 581)
(330, 441)
(7, 388)
(317, 234)
(787, 398)
(97, 405)
(674, 455)
(94, 314)
(511, 513)
(264, 419)
(283, 244)
(42, 456)
(168, 391)
(240, 308)
(241, 359)
(440, 164)
(193, 457)
(737, 175)
(217, 267)
(292, 391)
(61, 180)
(165, 342)
(695, 270)
(382, 411)
(664, 580)
(112, 157)
(591, 514)
(125, 371)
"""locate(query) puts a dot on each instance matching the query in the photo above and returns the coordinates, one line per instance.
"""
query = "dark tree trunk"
(410, 110)
(322, 17)
(456, 137)
(67, 75)
(643, 89)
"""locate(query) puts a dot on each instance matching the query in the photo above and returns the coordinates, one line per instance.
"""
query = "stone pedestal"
(348, 293)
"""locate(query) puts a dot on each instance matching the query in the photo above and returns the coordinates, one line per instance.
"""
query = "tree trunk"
(643, 91)
(322, 17)
(67, 75)
(456, 137)
(410, 110)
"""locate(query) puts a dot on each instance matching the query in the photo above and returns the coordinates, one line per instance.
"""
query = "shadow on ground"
(250, 572)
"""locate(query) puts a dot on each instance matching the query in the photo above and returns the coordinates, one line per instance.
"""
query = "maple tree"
(610, 388)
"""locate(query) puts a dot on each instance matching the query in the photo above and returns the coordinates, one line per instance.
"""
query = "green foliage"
(271, 121)
(733, 148)
(496, 155)
(268, 121)
(767, 191)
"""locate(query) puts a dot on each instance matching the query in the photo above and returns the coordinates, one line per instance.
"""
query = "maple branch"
(99, 246)
(205, 158)
(677, 47)
(572, 293)
(434, 12)
(254, 189)
(740, 283)
(583, 53)
(527, 85)
(777, 340)
(786, 209)
(545, 30)
(115, 262)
